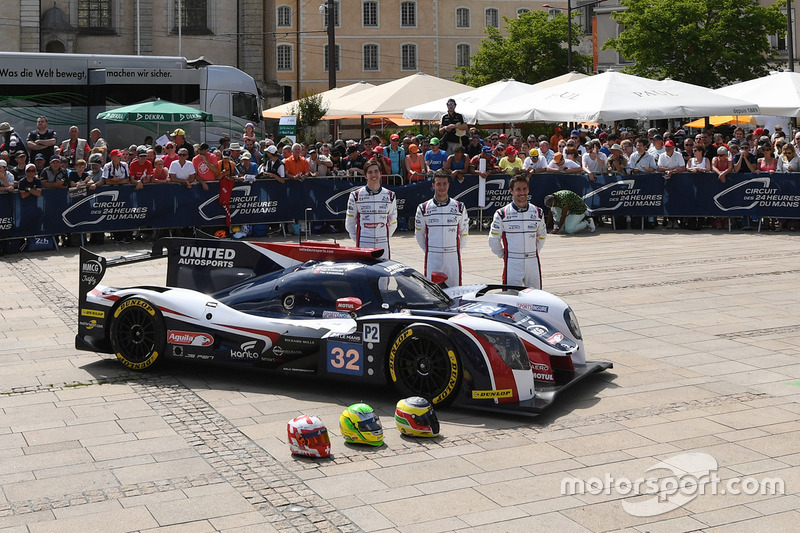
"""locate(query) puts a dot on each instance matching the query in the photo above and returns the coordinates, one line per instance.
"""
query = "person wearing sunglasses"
(30, 185)
(452, 128)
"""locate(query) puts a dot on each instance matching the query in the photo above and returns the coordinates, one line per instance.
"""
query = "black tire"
(137, 334)
(423, 362)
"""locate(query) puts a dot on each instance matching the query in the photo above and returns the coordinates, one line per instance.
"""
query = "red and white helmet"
(308, 436)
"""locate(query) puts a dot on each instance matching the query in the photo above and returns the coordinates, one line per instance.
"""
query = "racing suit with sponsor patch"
(517, 234)
(441, 230)
(371, 218)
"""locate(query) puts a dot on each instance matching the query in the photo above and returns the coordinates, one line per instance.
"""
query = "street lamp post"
(569, 32)
(569, 27)
(329, 8)
(789, 35)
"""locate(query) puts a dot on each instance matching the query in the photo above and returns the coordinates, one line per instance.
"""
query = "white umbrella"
(328, 98)
(394, 97)
(469, 103)
(559, 80)
(615, 96)
(777, 94)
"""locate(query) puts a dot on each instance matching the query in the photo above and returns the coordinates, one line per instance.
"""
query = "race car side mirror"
(348, 305)
(438, 277)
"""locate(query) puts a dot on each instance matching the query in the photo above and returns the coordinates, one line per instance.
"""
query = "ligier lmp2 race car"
(335, 312)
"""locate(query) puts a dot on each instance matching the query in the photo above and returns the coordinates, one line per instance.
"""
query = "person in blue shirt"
(435, 158)
(396, 155)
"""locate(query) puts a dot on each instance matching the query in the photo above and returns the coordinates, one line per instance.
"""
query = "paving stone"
(701, 365)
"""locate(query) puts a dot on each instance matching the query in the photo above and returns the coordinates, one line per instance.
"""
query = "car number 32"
(345, 358)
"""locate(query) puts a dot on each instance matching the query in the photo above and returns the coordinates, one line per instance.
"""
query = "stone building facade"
(381, 40)
(224, 32)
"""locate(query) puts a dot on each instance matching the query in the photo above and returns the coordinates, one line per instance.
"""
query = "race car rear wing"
(209, 265)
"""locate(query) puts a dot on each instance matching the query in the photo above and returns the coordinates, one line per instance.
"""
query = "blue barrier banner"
(121, 208)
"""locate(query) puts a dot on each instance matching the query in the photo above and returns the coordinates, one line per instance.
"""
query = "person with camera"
(379, 156)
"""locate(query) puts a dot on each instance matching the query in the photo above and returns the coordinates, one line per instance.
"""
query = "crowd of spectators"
(41, 161)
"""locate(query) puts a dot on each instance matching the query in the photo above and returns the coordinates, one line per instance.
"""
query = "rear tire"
(423, 362)
(137, 334)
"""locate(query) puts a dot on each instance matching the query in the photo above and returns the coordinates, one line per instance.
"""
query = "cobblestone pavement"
(699, 326)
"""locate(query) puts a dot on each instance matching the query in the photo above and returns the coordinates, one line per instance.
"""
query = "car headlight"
(509, 348)
(572, 323)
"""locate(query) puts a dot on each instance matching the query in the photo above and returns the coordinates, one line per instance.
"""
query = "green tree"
(309, 110)
(534, 51)
(705, 42)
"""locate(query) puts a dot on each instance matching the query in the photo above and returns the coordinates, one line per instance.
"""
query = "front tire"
(137, 334)
(423, 362)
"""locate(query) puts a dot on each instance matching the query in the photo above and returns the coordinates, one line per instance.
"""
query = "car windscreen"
(408, 289)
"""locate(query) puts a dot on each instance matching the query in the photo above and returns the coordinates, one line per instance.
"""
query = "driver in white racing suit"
(517, 234)
(441, 228)
(372, 212)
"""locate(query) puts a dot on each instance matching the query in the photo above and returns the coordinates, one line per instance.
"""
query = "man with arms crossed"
(442, 226)
(372, 212)
(517, 234)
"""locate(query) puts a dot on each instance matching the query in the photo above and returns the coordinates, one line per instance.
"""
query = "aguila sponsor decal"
(555, 338)
(189, 338)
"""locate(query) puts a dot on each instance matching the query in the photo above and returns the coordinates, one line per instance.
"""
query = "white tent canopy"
(615, 96)
(559, 80)
(469, 103)
(394, 97)
(329, 98)
(777, 94)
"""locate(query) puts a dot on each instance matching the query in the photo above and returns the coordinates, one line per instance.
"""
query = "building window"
(284, 17)
(286, 93)
(325, 58)
(94, 15)
(284, 55)
(622, 59)
(408, 14)
(462, 55)
(553, 12)
(369, 14)
(194, 17)
(371, 53)
(492, 17)
(336, 11)
(586, 14)
(409, 56)
(522, 10)
(779, 41)
(462, 17)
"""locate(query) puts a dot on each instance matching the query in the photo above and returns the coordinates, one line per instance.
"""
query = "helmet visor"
(428, 420)
(314, 439)
(373, 424)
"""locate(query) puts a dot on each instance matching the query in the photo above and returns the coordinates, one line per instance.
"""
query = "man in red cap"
(670, 162)
(510, 163)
